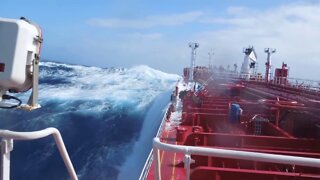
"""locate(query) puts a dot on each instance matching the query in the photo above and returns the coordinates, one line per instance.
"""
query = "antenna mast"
(235, 66)
(193, 47)
(269, 51)
(211, 53)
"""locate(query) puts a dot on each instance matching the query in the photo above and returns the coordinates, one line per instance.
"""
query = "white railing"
(224, 153)
(7, 146)
(311, 85)
(306, 84)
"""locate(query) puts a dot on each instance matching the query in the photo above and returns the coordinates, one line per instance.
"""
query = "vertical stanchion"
(187, 162)
(157, 168)
(6, 148)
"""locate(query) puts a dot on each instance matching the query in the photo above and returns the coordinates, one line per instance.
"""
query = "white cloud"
(147, 22)
(293, 29)
(145, 36)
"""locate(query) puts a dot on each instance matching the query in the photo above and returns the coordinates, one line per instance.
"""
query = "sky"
(126, 33)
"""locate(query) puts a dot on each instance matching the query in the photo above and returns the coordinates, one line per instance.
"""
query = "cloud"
(292, 29)
(147, 22)
(145, 36)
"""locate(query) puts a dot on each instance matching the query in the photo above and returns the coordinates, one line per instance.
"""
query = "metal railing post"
(187, 162)
(64, 154)
(157, 168)
(6, 148)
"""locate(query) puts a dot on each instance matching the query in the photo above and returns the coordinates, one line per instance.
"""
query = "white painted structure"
(19, 44)
(249, 61)
(269, 51)
(7, 146)
(193, 47)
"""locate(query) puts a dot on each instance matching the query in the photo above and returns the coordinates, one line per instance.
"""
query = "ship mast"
(269, 51)
(193, 47)
(211, 53)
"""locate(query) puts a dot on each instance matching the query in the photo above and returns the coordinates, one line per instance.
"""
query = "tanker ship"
(227, 124)
(220, 124)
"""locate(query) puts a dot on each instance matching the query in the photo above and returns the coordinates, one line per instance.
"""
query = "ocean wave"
(99, 111)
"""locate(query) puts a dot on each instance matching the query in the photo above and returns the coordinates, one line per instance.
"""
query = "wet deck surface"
(171, 163)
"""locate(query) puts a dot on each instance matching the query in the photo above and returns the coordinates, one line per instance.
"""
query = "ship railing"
(224, 153)
(305, 84)
(7, 146)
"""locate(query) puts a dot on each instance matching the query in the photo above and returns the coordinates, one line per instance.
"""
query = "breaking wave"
(100, 113)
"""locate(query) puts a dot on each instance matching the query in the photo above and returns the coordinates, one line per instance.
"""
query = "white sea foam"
(135, 87)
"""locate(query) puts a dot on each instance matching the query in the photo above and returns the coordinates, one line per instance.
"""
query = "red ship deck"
(273, 120)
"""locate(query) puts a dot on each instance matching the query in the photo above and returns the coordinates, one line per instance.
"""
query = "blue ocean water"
(107, 118)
